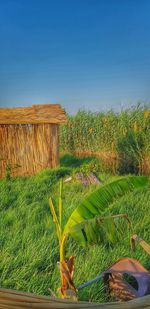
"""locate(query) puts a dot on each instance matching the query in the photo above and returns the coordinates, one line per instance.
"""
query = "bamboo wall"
(29, 147)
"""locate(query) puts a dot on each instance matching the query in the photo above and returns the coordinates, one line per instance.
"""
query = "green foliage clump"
(130, 149)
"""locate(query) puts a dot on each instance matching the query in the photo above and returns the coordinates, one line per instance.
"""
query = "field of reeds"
(120, 140)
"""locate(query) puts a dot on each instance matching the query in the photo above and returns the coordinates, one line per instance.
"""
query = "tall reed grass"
(121, 140)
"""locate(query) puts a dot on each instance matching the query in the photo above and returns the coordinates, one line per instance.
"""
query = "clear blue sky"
(92, 54)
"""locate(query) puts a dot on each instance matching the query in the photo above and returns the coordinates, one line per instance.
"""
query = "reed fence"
(29, 138)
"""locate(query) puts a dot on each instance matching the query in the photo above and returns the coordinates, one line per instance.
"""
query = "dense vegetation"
(28, 243)
(121, 140)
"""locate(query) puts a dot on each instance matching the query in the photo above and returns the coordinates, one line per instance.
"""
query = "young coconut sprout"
(83, 224)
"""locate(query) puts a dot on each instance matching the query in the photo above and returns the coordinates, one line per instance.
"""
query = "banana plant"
(84, 222)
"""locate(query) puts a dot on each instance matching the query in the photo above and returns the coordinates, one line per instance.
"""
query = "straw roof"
(36, 114)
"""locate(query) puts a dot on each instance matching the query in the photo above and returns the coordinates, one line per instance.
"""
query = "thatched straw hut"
(29, 138)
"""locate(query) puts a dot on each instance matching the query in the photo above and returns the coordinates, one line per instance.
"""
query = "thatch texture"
(29, 142)
(10, 299)
(43, 113)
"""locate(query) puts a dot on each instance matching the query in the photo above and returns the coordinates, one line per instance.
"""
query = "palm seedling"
(84, 222)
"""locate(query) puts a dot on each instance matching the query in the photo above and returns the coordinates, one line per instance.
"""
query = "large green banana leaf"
(79, 224)
(94, 230)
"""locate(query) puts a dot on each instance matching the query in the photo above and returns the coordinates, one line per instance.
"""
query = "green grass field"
(28, 244)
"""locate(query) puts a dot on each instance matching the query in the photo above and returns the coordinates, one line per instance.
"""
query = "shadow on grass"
(69, 160)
